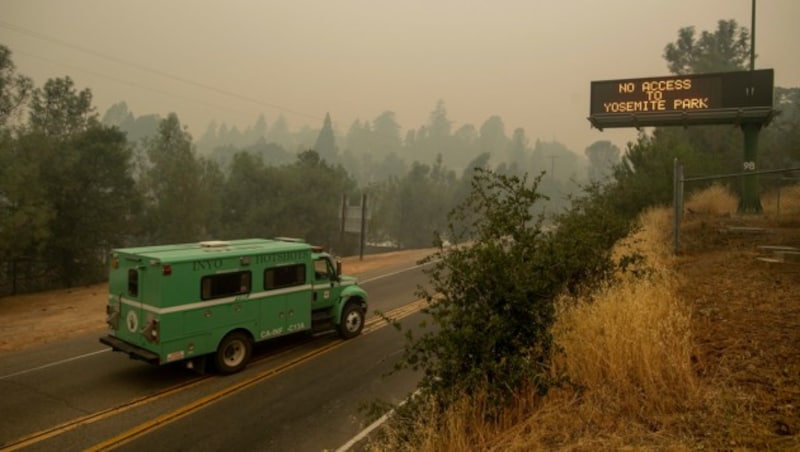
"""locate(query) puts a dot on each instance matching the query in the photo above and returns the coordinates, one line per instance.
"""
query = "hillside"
(746, 329)
(701, 352)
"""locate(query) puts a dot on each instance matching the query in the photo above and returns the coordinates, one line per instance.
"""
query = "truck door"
(286, 308)
(131, 311)
(273, 316)
(298, 310)
(325, 286)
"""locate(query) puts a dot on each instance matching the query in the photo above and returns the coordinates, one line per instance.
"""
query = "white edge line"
(364, 433)
(393, 273)
(63, 361)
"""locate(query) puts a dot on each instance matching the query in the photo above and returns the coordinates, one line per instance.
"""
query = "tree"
(173, 187)
(260, 128)
(83, 172)
(434, 139)
(603, 156)
(209, 139)
(727, 49)
(326, 142)
(358, 137)
(248, 208)
(25, 209)
(493, 137)
(385, 137)
(136, 128)
(142, 127)
(118, 115)
(780, 145)
(466, 135)
(557, 160)
(715, 149)
(438, 124)
(67, 187)
(386, 132)
(92, 191)
(59, 110)
(311, 194)
(645, 173)
(15, 89)
(518, 150)
(271, 153)
(391, 166)
(279, 133)
(424, 197)
(213, 184)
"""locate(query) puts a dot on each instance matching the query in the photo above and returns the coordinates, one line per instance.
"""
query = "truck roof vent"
(214, 244)
(290, 239)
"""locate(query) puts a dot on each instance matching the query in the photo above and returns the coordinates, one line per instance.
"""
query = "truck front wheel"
(352, 321)
(233, 353)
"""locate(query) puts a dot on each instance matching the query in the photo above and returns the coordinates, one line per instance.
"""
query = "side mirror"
(338, 268)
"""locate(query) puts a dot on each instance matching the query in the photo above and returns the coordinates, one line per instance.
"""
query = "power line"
(126, 82)
(141, 67)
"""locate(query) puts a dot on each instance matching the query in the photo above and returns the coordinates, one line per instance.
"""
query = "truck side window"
(225, 285)
(286, 276)
(322, 268)
(133, 282)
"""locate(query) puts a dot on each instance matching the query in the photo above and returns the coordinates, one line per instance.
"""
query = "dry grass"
(630, 350)
(715, 200)
(783, 206)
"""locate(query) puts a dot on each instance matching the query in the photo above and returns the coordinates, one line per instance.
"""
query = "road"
(299, 393)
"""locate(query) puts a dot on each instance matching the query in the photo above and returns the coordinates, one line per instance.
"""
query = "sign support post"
(750, 201)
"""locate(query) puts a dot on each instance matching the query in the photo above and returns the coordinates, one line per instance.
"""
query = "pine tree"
(326, 144)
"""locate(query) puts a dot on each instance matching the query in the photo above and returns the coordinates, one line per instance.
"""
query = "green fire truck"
(213, 300)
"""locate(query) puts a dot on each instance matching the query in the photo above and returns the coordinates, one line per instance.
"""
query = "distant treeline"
(74, 185)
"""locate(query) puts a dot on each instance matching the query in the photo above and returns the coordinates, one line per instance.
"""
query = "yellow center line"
(371, 325)
(395, 314)
(100, 415)
(167, 418)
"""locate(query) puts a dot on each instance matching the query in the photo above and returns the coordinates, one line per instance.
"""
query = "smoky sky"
(528, 61)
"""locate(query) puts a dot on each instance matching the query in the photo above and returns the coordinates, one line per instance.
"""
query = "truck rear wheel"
(352, 321)
(233, 353)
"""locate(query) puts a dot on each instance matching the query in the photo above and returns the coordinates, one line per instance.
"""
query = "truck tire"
(352, 321)
(233, 353)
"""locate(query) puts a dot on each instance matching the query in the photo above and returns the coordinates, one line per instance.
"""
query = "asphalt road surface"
(300, 393)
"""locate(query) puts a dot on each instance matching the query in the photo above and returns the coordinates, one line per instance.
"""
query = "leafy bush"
(492, 291)
(491, 295)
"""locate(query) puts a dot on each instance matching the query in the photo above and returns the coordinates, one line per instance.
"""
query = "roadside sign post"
(354, 220)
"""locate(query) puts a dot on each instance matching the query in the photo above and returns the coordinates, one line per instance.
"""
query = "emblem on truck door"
(132, 321)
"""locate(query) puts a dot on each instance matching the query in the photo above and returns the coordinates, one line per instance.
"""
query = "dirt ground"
(746, 326)
(28, 320)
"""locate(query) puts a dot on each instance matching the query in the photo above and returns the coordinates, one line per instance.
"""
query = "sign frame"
(683, 100)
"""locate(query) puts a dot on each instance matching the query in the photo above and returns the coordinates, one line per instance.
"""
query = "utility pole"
(553, 166)
(753, 37)
(751, 201)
